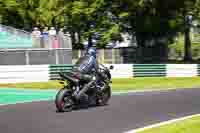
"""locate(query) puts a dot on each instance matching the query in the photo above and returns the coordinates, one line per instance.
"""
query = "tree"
(155, 21)
(187, 11)
(8, 13)
(29, 13)
(159, 21)
(91, 19)
(42, 12)
(177, 15)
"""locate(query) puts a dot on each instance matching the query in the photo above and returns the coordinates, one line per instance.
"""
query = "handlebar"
(111, 67)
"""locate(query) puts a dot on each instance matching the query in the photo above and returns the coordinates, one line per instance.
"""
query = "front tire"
(104, 96)
(64, 101)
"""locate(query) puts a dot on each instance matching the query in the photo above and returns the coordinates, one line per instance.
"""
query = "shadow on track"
(83, 108)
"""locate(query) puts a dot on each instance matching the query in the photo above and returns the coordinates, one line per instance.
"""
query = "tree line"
(154, 21)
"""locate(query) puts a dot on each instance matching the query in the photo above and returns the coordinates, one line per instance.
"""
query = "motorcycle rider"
(83, 70)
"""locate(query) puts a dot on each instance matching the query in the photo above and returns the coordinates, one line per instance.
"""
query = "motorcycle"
(65, 100)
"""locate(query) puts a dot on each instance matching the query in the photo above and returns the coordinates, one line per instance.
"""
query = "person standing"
(52, 31)
(52, 36)
(36, 37)
(61, 38)
(45, 38)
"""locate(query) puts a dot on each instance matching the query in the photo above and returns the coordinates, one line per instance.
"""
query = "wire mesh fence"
(35, 56)
(123, 55)
(57, 41)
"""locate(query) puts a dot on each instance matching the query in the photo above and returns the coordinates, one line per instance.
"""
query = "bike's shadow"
(83, 108)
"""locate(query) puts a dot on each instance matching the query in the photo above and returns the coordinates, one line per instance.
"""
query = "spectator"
(67, 40)
(52, 31)
(45, 31)
(45, 41)
(61, 32)
(52, 36)
(61, 37)
(36, 34)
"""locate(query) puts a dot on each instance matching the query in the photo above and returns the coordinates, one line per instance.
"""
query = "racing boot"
(84, 90)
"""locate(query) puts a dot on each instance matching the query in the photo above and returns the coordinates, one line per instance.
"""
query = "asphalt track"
(124, 113)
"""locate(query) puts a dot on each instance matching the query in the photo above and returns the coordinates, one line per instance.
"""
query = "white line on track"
(162, 123)
(145, 91)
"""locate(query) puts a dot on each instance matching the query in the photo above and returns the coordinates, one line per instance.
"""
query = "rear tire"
(64, 101)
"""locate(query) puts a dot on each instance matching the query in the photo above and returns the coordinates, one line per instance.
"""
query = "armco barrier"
(23, 73)
(55, 69)
(198, 69)
(149, 70)
(182, 70)
(119, 71)
(43, 73)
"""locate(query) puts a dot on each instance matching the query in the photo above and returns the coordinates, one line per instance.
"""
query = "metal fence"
(123, 55)
(35, 56)
(57, 41)
(127, 55)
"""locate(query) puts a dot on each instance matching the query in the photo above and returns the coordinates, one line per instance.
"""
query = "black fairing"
(109, 75)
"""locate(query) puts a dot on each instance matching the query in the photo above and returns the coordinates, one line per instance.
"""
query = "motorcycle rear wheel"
(64, 101)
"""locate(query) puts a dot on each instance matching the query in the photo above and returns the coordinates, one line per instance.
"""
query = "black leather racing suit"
(83, 70)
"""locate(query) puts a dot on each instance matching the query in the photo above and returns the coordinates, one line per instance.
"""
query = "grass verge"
(190, 125)
(155, 83)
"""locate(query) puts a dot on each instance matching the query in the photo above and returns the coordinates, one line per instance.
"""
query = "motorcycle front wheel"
(104, 96)
(64, 101)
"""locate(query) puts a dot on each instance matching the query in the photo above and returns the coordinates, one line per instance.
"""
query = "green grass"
(191, 125)
(158, 83)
